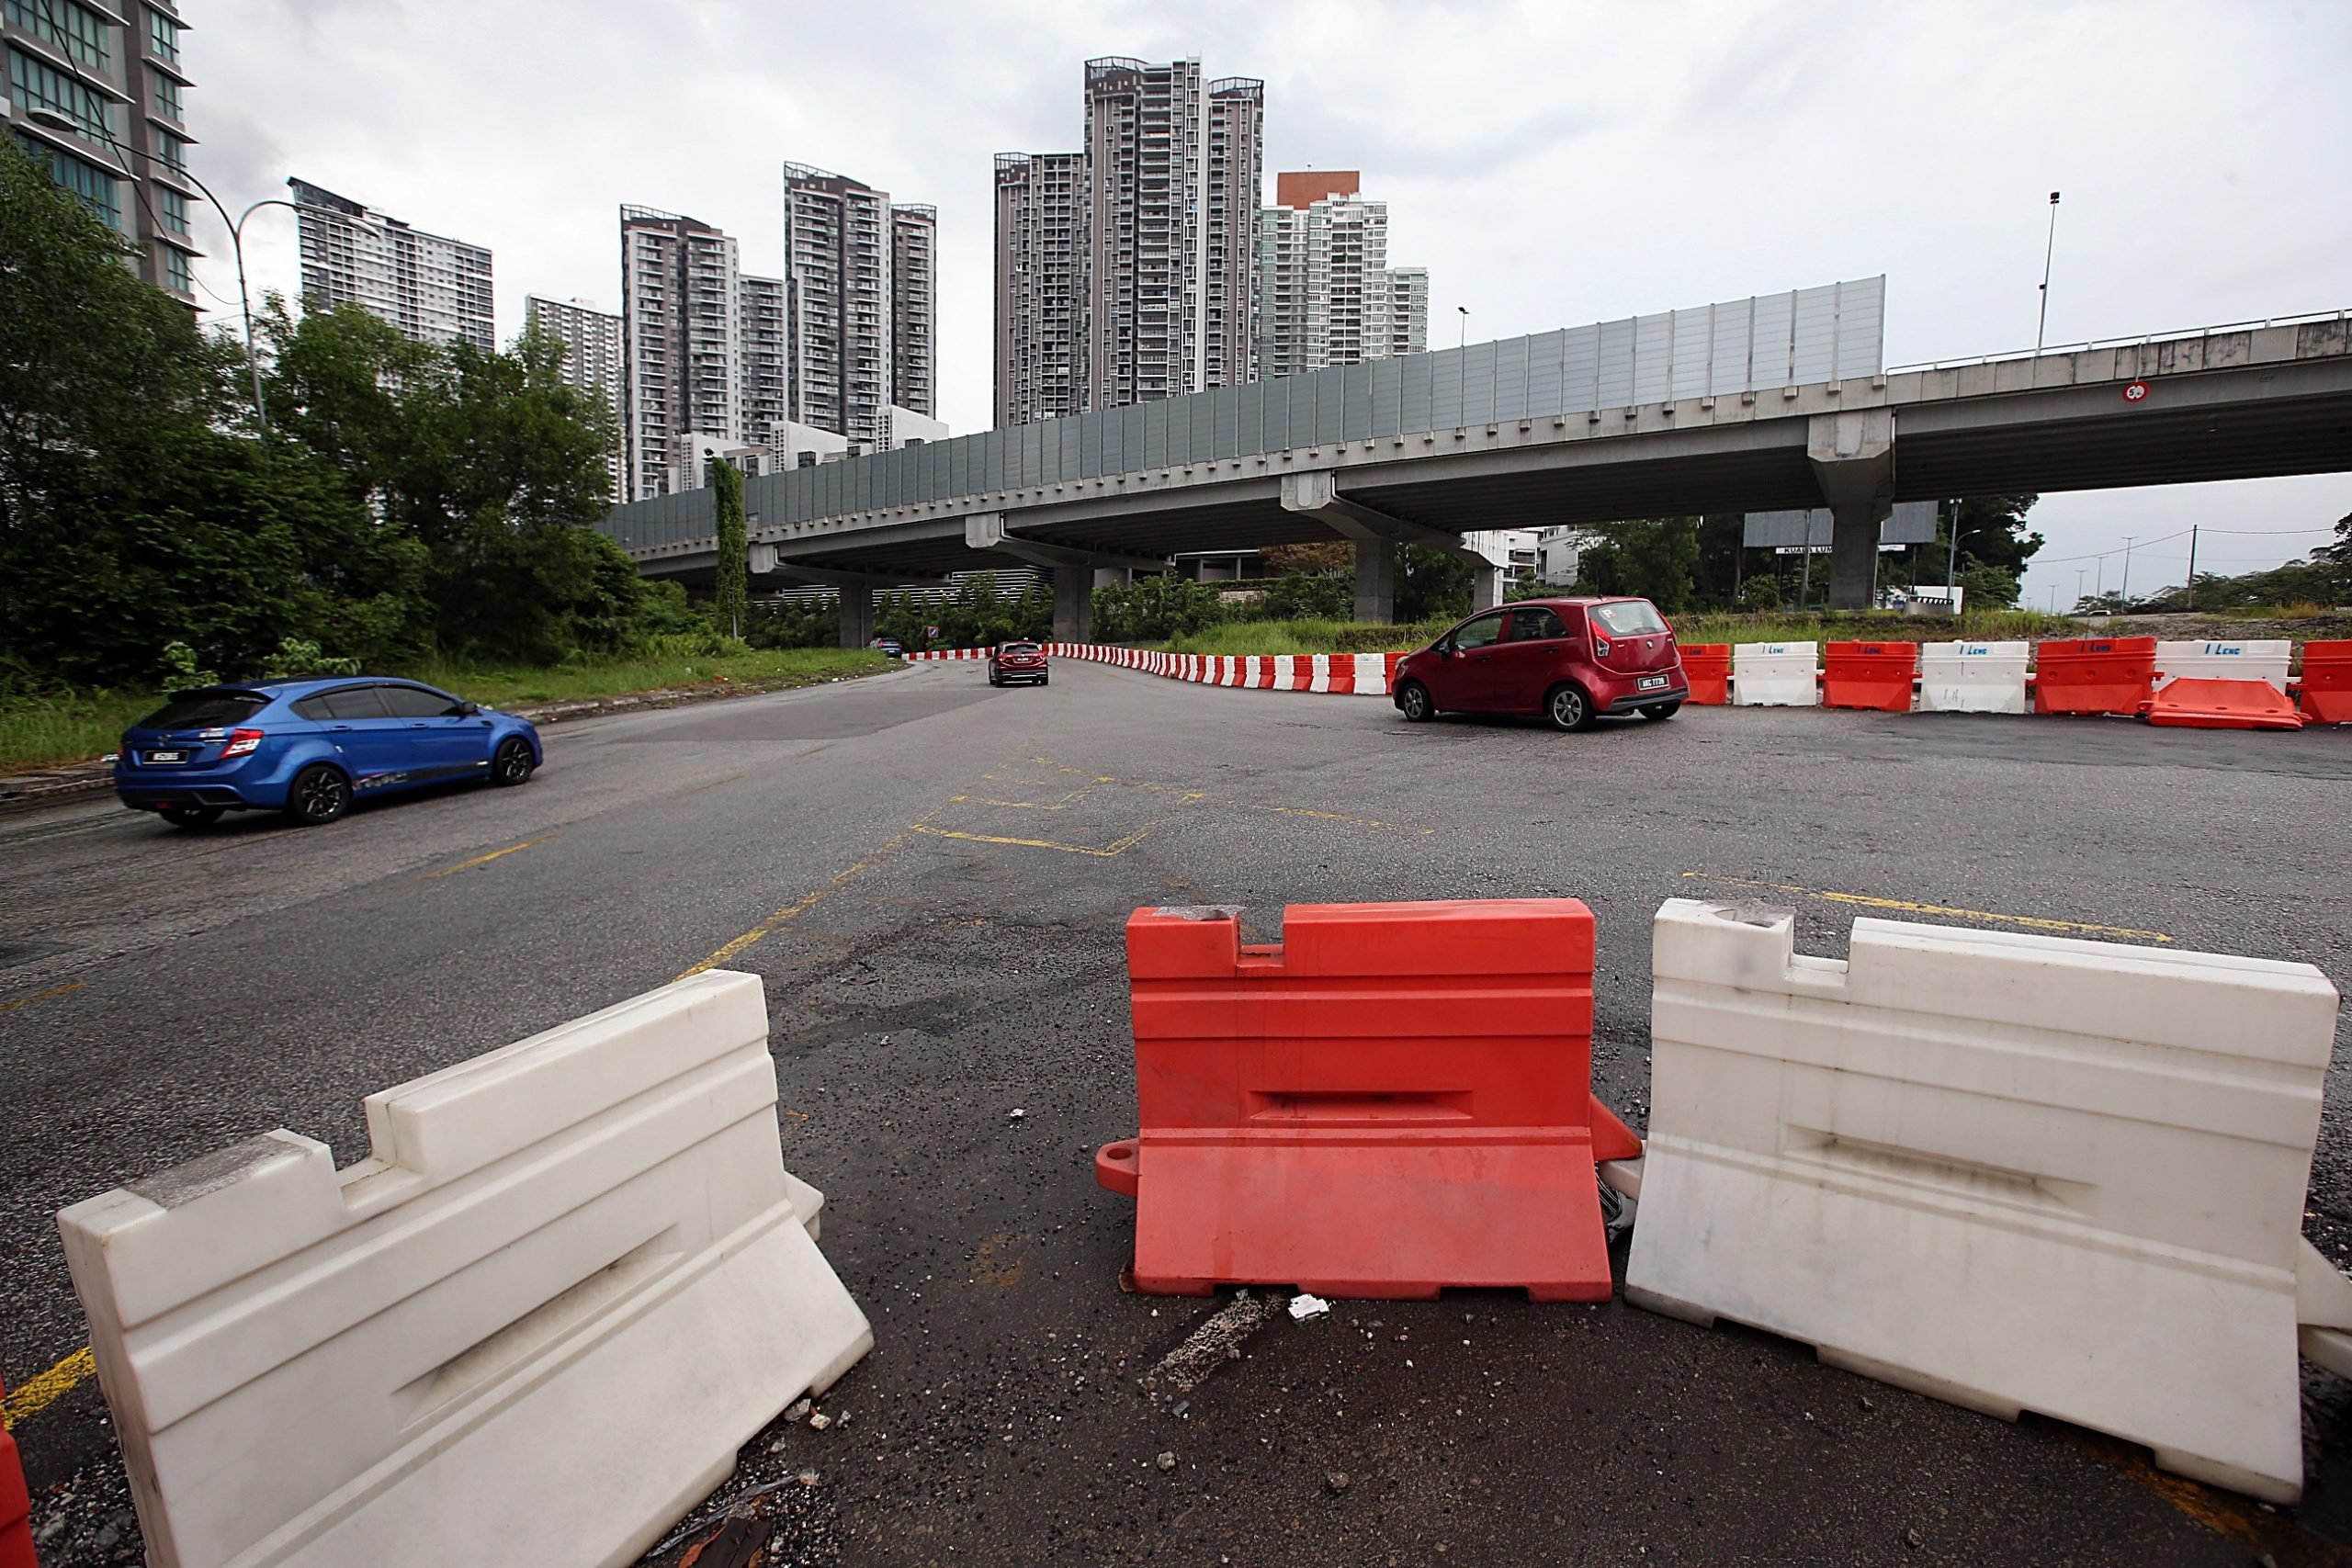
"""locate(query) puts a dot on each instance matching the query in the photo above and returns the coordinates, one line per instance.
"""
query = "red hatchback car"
(1568, 659)
(1011, 661)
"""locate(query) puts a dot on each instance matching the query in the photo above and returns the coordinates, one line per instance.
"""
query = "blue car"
(309, 748)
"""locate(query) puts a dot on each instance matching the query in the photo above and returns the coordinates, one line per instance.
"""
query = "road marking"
(485, 860)
(38, 1394)
(1190, 796)
(791, 912)
(41, 996)
(2079, 928)
(1118, 846)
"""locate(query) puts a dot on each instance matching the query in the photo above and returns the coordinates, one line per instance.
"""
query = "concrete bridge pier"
(1376, 581)
(1073, 602)
(1853, 460)
(857, 614)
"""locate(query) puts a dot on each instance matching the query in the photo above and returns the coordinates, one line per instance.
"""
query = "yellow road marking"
(1908, 906)
(485, 860)
(38, 1394)
(40, 997)
(793, 912)
(1116, 847)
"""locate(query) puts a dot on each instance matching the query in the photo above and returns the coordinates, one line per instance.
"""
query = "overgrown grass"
(41, 730)
(1240, 638)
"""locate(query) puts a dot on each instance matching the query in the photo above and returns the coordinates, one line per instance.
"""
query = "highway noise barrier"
(2327, 683)
(1775, 674)
(2013, 1172)
(1973, 676)
(2095, 675)
(1707, 666)
(1396, 1099)
(533, 1327)
(1870, 675)
(16, 1506)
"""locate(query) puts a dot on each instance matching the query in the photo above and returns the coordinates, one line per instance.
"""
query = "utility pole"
(2125, 592)
(2080, 572)
(2188, 588)
(2049, 251)
(1952, 563)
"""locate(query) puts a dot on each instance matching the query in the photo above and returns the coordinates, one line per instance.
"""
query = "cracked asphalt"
(931, 878)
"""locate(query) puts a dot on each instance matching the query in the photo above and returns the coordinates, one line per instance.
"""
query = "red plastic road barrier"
(2224, 704)
(2327, 683)
(1396, 1099)
(16, 1506)
(1869, 675)
(2094, 675)
(1707, 666)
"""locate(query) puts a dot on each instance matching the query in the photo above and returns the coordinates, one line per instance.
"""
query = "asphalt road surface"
(934, 875)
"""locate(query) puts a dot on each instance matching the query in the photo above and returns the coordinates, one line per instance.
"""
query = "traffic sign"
(2135, 392)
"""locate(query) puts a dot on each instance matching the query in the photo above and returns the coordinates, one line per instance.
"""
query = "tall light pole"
(2048, 250)
(2080, 572)
(56, 121)
(2125, 592)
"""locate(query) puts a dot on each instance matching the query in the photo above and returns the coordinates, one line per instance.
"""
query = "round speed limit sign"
(2137, 391)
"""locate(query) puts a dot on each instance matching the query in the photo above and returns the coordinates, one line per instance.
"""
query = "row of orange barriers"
(2101, 675)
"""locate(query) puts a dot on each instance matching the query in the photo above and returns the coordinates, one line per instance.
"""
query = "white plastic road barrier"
(2014, 1172)
(2262, 659)
(534, 1326)
(1775, 674)
(1973, 676)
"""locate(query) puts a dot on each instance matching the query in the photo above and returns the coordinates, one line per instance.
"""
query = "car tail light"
(240, 742)
(1599, 647)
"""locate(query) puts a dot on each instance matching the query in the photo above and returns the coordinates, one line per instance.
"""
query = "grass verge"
(42, 730)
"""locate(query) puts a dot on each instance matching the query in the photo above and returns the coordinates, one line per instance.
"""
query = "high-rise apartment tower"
(1160, 222)
(592, 360)
(1326, 293)
(681, 341)
(858, 278)
(93, 93)
(434, 288)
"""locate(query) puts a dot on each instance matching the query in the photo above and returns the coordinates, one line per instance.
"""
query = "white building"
(592, 359)
(434, 288)
(1326, 293)
(859, 287)
(1124, 272)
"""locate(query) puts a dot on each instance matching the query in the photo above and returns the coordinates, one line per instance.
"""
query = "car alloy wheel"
(318, 795)
(1568, 708)
(1414, 702)
(513, 763)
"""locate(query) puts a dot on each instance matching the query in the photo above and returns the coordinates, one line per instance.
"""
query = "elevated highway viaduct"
(1503, 447)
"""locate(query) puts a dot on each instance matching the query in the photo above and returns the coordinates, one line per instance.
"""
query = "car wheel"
(512, 762)
(1566, 708)
(1413, 702)
(1661, 710)
(190, 815)
(1045, 681)
(319, 795)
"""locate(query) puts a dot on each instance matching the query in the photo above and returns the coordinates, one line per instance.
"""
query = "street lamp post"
(1464, 342)
(2048, 250)
(56, 121)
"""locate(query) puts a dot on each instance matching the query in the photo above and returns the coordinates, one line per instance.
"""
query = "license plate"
(1649, 682)
(167, 756)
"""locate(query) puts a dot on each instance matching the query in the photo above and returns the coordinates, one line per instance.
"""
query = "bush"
(1305, 596)
(1153, 609)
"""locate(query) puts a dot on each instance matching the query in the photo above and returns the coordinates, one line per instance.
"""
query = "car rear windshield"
(1018, 648)
(204, 710)
(1634, 617)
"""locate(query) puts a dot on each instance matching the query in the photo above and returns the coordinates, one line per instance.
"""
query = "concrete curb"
(46, 786)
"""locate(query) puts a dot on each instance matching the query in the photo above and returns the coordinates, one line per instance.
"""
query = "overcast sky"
(1551, 164)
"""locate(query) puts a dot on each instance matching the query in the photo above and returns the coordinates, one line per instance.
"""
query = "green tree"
(733, 590)
(138, 506)
(1432, 585)
(1655, 559)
